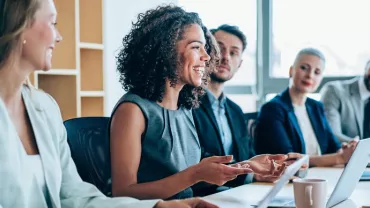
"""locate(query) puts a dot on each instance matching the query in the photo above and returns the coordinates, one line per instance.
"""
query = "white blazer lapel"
(43, 135)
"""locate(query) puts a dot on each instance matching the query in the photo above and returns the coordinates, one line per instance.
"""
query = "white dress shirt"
(309, 136)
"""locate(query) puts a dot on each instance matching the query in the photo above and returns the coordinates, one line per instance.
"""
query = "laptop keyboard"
(292, 203)
(285, 201)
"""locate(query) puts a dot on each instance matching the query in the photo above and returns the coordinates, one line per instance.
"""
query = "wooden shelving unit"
(91, 70)
(76, 80)
(63, 89)
(92, 106)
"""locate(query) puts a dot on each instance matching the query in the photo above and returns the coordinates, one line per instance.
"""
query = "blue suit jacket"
(278, 131)
(210, 140)
(209, 134)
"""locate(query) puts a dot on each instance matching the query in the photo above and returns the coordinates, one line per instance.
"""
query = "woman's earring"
(24, 42)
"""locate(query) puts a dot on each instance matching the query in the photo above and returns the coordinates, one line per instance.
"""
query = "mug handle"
(308, 195)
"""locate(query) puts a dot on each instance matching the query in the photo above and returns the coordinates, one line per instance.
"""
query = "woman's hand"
(292, 157)
(288, 159)
(267, 168)
(187, 203)
(269, 179)
(345, 153)
(213, 170)
(268, 165)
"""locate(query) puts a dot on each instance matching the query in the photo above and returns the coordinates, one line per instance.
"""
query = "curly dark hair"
(149, 54)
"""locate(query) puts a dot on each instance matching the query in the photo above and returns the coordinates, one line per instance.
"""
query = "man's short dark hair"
(234, 30)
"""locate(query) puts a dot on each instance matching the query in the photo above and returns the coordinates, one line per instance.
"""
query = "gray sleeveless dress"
(169, 144)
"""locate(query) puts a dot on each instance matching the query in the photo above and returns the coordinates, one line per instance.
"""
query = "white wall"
(118, 16)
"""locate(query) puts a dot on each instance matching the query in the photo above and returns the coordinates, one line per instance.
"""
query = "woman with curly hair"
(155, 152)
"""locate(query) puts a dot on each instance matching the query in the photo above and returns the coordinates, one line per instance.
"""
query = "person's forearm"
(325, 160)
(161, 189)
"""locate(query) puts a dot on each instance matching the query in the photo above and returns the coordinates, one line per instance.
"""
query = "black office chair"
(89, 144)
(251, 122)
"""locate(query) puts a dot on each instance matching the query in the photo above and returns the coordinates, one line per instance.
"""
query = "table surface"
(241, 196)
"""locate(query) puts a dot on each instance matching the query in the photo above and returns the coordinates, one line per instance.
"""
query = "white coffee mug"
(310, 193)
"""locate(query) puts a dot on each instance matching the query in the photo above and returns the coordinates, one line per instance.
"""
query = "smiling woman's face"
(41, 37)
(193, 56)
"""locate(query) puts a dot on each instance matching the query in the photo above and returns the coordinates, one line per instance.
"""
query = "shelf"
(63, 89)
(92, 93)
(58, 72)
(91, 70)
(64, 54)
(93, 46)
(92, 106)
(76, 78)
(91, 21)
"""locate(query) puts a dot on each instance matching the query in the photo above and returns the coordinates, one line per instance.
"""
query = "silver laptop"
(343, 189)
(351, 173)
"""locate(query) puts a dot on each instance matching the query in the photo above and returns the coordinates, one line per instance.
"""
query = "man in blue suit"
(219, 121)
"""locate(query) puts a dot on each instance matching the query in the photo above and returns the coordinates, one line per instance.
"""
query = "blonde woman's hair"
(310, 51)
(15, 17)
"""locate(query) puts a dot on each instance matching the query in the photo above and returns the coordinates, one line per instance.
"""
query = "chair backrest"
(89, 144)
(250, 121)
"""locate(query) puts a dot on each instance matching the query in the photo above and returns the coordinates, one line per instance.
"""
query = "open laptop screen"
(288, 174)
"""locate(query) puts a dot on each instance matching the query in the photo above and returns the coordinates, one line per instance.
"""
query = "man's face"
(231, 56)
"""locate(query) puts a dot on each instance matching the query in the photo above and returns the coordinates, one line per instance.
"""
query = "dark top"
(278, 131)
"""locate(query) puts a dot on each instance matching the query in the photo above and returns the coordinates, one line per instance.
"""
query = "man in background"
(219, 121)
(347, 106)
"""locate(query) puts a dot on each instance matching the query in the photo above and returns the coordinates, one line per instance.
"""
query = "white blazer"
(65, 187)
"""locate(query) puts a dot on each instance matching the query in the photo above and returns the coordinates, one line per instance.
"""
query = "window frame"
(267, 84)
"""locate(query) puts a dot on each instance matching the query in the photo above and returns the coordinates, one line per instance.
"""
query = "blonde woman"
(293, 122)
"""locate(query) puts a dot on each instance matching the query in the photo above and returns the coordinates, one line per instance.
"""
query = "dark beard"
(367, 82)
(215, 78)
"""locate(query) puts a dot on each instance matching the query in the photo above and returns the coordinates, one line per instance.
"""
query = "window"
(340, 29)
(246, 102)
(242, 13)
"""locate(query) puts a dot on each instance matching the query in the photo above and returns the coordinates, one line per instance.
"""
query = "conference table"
(243, 196)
